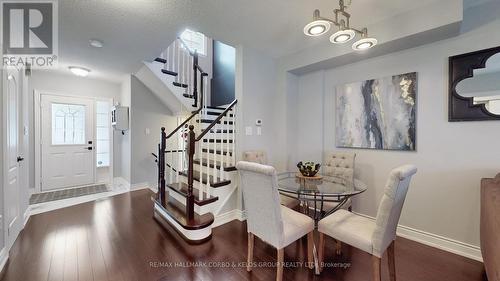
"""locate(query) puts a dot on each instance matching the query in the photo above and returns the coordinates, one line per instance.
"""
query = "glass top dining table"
(321, 194)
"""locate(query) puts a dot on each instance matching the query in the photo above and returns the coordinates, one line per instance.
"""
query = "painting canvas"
(378, 113)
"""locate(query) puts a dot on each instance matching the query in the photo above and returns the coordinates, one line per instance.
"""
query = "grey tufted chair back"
(255, 156)
(339, 164)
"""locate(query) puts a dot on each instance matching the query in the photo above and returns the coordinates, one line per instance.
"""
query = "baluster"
(171, 168)
(179, 64)
(215, 176)
(228, 118)
(200, 156)
(233, 157)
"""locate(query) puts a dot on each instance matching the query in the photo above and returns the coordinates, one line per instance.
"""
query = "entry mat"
(67, 193)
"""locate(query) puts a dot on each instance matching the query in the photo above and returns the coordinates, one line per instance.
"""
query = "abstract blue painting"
(378, 113)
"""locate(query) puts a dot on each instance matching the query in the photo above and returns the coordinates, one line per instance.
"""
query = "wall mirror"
(475, 86)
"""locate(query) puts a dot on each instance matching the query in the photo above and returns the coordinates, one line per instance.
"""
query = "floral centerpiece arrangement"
(308, 169)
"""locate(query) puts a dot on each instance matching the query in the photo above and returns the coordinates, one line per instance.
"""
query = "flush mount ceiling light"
(317, 27)
(342, 36)
(79, 71)
(364, 44)
(96, 43)
(346, 33)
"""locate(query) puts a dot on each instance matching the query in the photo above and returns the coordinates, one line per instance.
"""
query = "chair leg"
(279, 265)
(310, 245)
(321, 251)
(250, 251)
(392, 262)
(376, 268)
(338, 247)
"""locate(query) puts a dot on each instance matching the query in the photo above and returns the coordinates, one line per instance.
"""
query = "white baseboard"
(121, 182)
(139, 186)
(4, 257)
(437, 241)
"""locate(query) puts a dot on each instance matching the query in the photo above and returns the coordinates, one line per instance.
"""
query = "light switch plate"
(248, 131)
(147, 131)
(259, 131)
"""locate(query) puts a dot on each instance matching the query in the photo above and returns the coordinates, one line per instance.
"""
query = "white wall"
(451, 157)
(257, 99)
(2, 132)
(123, 140)
(68, 84)
(147, 113)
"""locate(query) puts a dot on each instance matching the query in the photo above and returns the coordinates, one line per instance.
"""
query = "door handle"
(88, 148)
(19, 159)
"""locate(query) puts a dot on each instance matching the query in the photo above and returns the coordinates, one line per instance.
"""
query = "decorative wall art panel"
(378, 113)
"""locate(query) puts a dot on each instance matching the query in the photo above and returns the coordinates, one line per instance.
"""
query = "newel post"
(190, 196)
(161, 167)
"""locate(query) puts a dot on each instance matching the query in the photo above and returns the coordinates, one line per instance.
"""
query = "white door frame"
(38, 133)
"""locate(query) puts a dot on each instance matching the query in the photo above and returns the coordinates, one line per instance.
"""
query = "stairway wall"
(146, 113)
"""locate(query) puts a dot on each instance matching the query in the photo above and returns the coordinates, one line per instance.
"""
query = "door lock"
(19, 159)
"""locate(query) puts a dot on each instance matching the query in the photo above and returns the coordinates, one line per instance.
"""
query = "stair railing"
(179, 57)
(215, 151)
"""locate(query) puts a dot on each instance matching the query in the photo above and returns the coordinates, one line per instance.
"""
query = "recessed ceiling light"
(316, 28)
(342, 36)
(364, 44)
(96, 43)
(79, 71)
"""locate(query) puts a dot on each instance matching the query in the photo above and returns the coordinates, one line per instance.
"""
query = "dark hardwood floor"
(117, 239)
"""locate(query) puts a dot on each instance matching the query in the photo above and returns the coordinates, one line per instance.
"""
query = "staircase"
(196, 161)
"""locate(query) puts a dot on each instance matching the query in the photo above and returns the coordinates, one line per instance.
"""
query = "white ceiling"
(134, 31)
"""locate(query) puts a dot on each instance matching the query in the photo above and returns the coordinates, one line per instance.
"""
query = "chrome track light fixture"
(345, 33)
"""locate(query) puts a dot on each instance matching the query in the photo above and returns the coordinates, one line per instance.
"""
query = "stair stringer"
(227, 195)
(161, 85)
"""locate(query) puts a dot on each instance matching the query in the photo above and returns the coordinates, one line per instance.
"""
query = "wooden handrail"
(216, 120)
(184, 123)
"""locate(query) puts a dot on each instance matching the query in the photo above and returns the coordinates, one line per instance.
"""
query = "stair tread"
(219, 131)
(217, 183)
(208, 121)
(180, 85)
(210, 164)
(177, 212)
(160, 60)
(164, 71)
(216, 113)
(217, 151)
(217, 140)
(182, 189)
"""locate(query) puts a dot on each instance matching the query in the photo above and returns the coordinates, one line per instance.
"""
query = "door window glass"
(68, 124)
(103, 121)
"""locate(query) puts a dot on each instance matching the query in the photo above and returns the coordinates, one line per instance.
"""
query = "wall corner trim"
(4, 257)
(228, 217)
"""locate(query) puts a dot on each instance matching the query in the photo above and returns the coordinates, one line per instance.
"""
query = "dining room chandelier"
(321, 25)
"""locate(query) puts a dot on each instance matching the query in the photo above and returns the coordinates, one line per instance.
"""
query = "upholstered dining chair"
(338, 164)
(373, 237)
(267, 219)
(260, 156)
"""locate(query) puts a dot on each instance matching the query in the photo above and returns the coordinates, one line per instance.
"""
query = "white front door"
(67, 142)
(12, 93)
